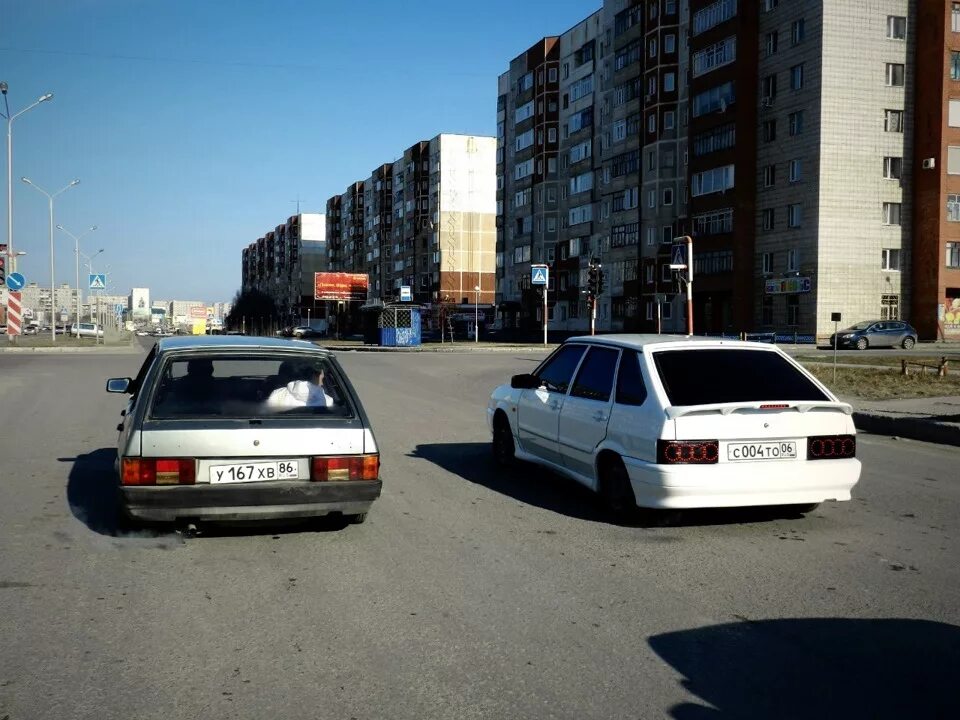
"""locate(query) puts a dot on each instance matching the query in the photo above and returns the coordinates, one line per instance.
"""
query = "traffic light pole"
(593, 316)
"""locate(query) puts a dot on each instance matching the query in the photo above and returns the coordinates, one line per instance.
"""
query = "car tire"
(504, 449)
(908, 343)
(357, 519)
(616, 492)
(806, 508)
(862, 344)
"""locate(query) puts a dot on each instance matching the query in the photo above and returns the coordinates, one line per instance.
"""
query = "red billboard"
(339, 286)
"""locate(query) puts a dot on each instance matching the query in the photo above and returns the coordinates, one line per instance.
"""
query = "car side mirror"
(524, 382)
(118, 385)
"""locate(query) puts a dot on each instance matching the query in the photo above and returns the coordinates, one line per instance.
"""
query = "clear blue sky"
(192, 125)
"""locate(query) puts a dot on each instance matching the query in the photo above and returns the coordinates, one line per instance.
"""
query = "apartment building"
(35, 300)
(936, 173)
(426, 220)
(282, 264)
(528, 180)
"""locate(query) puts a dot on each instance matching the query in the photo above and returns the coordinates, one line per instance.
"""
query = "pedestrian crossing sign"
(98, 282)
(539, 274)
(678, 258)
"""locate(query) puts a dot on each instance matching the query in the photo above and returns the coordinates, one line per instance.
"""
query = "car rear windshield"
(242, 386)
(705, 377)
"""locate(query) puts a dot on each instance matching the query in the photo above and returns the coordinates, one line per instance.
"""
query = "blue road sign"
(679, 256)
(539, 274)
(98, 282)
(405, 294)
(15, 281)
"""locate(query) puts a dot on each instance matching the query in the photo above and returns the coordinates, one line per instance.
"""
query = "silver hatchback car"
(235, 428)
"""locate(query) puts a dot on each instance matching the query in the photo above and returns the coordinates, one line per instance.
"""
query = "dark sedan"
(877, 333)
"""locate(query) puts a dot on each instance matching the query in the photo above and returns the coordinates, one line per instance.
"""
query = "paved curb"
(80, 350)
(439, 349)
(908, 427)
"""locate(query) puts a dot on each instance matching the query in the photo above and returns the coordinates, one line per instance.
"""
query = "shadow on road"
(534, 485)
(92, 497)
(816, 668)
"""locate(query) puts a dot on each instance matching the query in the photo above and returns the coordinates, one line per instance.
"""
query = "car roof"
(662, 342)
(241, 342)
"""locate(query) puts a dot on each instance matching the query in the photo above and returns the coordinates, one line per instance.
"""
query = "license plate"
(780, 450)
(255, 471)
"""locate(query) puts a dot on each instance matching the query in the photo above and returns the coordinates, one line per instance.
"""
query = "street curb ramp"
(908, 427)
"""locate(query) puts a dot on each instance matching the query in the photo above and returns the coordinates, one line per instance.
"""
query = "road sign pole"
(593, 316)
(836, 330)
(544, 314)
(689, 285)
(659, 330)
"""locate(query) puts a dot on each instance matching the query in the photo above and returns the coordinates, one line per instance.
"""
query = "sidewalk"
(459, 346)
(935, 420)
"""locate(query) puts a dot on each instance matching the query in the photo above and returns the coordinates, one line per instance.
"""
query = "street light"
(476, 315)
(53, 288)
(76, 241)
(10, 118)
(89, 261)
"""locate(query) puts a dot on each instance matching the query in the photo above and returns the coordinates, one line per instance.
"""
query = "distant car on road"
(679, 423)
(304, 331)
(236, 428)
(877, 333)
(86, 330)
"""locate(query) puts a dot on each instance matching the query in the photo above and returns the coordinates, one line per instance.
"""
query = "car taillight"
(687, 452)
(347, 467)
(158, 471)
(831, 447)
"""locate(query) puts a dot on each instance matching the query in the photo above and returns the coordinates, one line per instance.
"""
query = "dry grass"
(886, 360)
(876, 384)
(44, 340)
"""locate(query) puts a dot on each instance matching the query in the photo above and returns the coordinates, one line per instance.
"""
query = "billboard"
(139, 303)
(198, 312)
(787, 286)
(340, 286)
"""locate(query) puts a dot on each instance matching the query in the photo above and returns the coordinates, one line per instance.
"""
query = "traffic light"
(592, 280)
(600, 278)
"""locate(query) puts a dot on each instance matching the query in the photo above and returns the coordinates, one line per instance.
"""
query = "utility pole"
(681, 262)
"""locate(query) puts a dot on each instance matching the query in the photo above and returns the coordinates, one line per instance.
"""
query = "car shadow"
(538, 486)
(816, 668)
(92, 497)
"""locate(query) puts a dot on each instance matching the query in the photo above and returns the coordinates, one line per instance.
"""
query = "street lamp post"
(76, 250)
(53, 287)
(476, 315)
(89, 261)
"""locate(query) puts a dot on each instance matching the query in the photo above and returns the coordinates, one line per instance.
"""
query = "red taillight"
(346, 467)
(831, 447)
(772, 406)
(687, 452)
(158, 471)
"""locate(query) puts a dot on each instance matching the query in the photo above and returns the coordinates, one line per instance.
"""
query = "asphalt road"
(468, 593)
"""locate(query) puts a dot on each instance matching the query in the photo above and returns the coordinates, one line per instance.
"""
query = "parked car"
(679, 423)
(304, 331)
(86, 330)
(877, 333)
(204, 436)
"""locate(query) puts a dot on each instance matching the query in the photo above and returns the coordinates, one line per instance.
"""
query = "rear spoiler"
(802, 406)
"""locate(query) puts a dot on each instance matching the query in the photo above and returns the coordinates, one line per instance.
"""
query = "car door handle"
(600, 416)
(119, 427)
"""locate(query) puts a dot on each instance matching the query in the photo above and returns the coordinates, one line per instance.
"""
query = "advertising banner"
(787, 286)
(340, 286)
(198, 312)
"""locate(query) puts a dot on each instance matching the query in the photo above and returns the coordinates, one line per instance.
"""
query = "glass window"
(890, 260)
(895, 74)
(891, 213)
(893, 121)
(254, 385)
(796, 77)
(896, 27)
(953, 208)
(893, 167)
(595, 378)
(556, 372)
(952, 258)
(798, 31)
(954, 65)
(734, 375)
(953, 160)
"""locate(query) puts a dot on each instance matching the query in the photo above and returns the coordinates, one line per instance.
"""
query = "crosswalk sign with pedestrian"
(679, 259)
(98, 282)
(538, 275)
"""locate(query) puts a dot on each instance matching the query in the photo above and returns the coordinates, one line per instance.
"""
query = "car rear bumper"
(742, 484)
(248, 501)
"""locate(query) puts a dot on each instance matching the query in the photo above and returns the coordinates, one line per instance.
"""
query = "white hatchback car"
(667, 422)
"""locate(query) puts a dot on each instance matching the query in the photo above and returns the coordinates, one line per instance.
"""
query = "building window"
(769, 175)
(796, 170)
(793, 260)
(954, 65)
(768, 86)
(769, 130)
(766, 317)
(714, 56)
(794, 215)
(953, 116)
(769, 5)
(713, 14)
(769, 219)
(793, 309)
(714, 99)
(798, 31)
(767, 263)
(652, 199)
(889, 307)
(953, 254)
(669, 120)
(796, 77)
(955, 17)
(715, 180)
(796, 122)
(896, 27)
(893, 121)
(652, 123)
(551, 135)
(891, 213)
(651, 236)
(552, 74)
(953, 208)
(890, 260)
(666, 274)
(716, 222)
(668, 196)
(666, 234)
(670, 81)
(893, 167)
(895, 74)
(772, 40)
(669, 43)
(671, 7)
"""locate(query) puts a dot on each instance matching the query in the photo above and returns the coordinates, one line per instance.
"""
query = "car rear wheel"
(504, 449)
(617, 492)
(358, 519)
(862, 344)
(908, 343)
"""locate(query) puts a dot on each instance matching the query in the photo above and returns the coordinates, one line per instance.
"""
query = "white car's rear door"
(586, 410)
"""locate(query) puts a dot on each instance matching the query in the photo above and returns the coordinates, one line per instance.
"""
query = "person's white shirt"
(299, 393)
